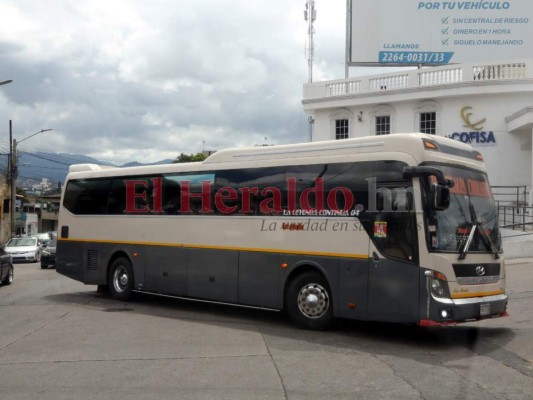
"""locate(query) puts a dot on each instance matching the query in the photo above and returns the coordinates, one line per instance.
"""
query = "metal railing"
(510, 195)
(516, 217)
(513, 209)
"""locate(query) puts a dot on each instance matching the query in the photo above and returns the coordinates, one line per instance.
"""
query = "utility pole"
(13, 178)
(9, 156)
(13, 173)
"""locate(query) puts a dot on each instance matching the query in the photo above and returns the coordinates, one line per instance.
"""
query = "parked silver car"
(24, 249)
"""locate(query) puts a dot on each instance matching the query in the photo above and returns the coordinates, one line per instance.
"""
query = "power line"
(43, 167)
(48, 158)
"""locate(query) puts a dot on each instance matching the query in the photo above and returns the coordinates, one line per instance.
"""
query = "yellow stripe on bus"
(477, 294)
(207, 247)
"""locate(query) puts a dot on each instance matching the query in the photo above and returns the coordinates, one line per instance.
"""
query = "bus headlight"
(438, 284)
(437, 288)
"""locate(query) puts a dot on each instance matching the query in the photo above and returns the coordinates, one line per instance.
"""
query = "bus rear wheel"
(309, 301)
(120, 279)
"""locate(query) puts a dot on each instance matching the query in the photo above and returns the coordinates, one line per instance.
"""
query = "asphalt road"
(60, 339)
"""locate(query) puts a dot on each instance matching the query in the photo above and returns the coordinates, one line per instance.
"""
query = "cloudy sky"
(125, 80)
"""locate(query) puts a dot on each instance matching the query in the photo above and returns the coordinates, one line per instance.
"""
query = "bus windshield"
(470, 223)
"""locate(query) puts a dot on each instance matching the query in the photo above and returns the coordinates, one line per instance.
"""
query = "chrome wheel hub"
(313, 300)
(120, 279)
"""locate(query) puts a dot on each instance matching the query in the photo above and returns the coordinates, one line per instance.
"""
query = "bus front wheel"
(120, 279)
(309, 301)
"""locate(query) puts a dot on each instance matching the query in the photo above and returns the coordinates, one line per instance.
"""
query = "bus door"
(393, 278)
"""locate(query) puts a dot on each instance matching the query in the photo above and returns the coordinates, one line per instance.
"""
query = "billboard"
(416, 32)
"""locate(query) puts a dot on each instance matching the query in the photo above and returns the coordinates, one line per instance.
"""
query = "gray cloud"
(132, 80)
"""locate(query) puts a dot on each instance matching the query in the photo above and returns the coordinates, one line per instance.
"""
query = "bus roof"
(410, 143)
(421, 147)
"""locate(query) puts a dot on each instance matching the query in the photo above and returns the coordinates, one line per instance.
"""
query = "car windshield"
(470, 223)
(19, 242)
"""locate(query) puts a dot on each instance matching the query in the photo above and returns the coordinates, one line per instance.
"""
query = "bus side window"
(85, 203)
(87, 197)
(172, 204)
(249, 184)
(353, 176)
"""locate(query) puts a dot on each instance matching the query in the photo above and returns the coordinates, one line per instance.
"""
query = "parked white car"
(24, 249)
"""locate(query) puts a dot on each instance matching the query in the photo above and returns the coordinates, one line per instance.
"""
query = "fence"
(513, 209)
(472, 73)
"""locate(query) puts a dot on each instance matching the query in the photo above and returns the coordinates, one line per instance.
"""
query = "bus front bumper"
(452, 311)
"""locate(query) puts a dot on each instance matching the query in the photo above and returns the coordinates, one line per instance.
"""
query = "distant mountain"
(137, 164)
(33, 167)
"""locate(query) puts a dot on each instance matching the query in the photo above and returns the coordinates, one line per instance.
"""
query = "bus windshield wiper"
(468, 241)
(488, 241)
(478, 226)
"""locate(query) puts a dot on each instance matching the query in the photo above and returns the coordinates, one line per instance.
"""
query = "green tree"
(184, 158)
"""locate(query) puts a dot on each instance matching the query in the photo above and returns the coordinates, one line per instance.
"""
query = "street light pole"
(13, 177)
(13, 172)
(12, 208)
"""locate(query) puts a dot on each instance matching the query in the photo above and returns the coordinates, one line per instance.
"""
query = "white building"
(489, 105)
(43, 186)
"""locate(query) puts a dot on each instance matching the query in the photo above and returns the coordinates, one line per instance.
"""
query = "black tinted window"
(250, 191)
(87, 196)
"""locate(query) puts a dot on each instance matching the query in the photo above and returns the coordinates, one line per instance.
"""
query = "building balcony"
(49, 215)
(442, 81)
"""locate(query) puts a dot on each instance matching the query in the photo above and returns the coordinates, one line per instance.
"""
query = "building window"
(428, 122)
(341, 124)
(383, 125)
(342, 128)
(428, 115)
(383, 119)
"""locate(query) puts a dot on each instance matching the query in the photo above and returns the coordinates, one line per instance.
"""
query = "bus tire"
(120, 279)
(309, 301)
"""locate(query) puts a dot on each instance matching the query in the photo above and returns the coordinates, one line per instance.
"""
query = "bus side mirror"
(441, 197)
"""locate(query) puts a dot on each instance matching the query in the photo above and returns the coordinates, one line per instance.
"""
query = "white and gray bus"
(401, 228)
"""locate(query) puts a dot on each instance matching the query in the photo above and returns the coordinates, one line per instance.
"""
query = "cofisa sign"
(477, 136)
(483, 138)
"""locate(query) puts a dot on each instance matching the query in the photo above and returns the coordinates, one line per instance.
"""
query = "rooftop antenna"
(310, 17)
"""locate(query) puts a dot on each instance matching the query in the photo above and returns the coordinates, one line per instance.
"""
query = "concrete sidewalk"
(517, 244)
(518, 261)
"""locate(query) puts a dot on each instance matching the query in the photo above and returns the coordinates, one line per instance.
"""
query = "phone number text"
(415, 57)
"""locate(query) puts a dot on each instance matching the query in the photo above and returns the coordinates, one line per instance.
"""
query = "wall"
(508, 160)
